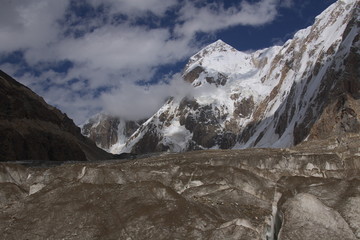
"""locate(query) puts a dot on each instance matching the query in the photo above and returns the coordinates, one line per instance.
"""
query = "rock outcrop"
(33, 130)
(109, 132)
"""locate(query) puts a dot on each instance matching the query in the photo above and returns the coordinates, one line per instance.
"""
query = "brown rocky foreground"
(308, 192)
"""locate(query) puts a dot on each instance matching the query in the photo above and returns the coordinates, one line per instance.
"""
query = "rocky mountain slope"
(308, 192)
(275, 97)
(33, 130)
(109, 132)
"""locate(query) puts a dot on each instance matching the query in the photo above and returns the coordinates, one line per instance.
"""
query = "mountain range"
(305, 93)
(275, 97)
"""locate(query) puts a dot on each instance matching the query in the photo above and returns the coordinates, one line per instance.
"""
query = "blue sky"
(125, 56)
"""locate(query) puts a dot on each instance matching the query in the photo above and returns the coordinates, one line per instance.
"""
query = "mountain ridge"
(272, 97)
(33, 130)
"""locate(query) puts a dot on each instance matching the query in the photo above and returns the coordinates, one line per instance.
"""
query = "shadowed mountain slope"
(31, 129)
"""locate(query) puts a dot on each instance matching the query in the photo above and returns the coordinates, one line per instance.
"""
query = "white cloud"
(120, 47)
(29, 24)
(143, 103)
(113, 56)
(215, 17)
(287, 3)
(137, 7)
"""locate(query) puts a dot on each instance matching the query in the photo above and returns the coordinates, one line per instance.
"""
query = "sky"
(125, 57)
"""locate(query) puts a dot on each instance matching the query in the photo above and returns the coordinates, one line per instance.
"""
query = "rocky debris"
(299, 193)
(33, 130)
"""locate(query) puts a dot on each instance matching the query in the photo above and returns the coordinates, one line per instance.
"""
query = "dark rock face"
(33, 130)
(36, 143)
(106, 130)
(220, 79)
(104, 134)
(194, 74)
(202, 124)
(341, 113)
(308, 192)
(150, 142)
(244, 108)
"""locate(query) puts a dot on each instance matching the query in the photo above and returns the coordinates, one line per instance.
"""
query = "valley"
(264, 145)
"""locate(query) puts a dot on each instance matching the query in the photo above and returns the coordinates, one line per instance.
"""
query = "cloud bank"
(86, 56)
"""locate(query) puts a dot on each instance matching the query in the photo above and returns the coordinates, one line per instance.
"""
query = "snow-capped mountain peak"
(274, 97)
(221, 58)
